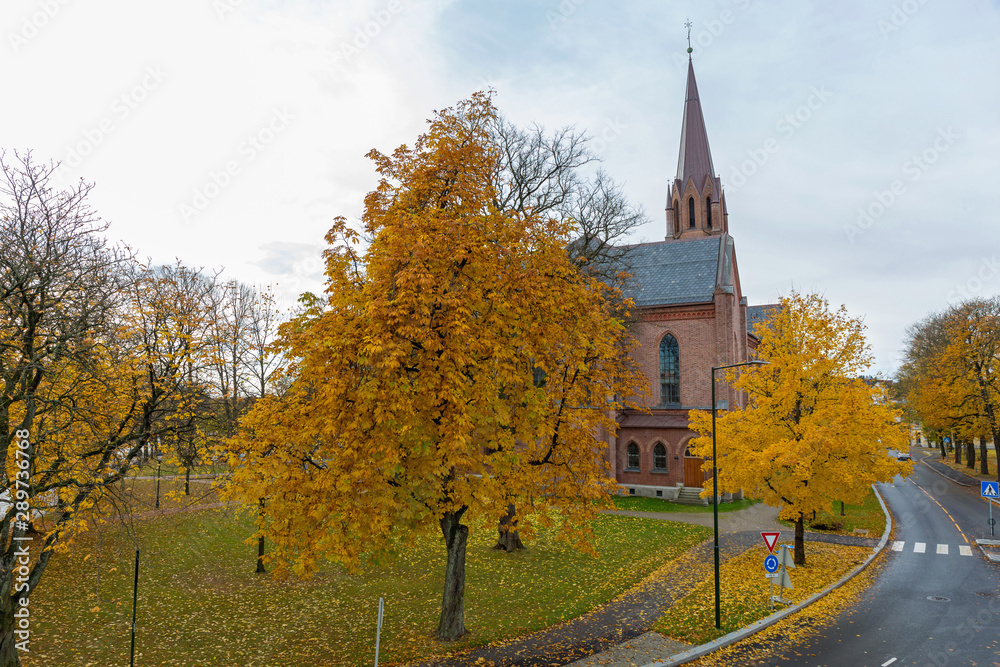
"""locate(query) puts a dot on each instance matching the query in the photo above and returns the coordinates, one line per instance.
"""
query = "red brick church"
(692, 315)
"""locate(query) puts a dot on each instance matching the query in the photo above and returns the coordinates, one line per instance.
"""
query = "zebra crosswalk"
(940, 549)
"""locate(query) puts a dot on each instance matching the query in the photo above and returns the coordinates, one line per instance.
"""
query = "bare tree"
(244, 366)
(543, 173)
(81, 395)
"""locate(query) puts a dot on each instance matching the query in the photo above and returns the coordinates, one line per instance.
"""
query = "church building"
(691, 315)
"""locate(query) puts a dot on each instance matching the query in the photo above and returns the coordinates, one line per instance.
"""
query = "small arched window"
(670, 371)
(660, 457)
(632, 457)
(708, 209)
(691, 212)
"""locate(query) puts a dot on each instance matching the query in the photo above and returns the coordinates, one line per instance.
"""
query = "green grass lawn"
(646, 504)
(201, 604)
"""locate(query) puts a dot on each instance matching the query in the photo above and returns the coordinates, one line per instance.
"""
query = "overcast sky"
(858, 142)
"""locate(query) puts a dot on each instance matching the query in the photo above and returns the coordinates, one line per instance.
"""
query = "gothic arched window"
(670, 371)
(708, 208)
(660, 457)
(632, 457)
(691, 212)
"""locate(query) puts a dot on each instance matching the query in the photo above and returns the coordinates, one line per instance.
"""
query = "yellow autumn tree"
(88, 380)
(460, 362)
(813, 431)
(948, 376)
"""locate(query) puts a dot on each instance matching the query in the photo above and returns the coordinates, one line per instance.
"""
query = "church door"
(693, 476)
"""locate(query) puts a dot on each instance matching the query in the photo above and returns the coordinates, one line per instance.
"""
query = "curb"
(989, 543)
(743, 633)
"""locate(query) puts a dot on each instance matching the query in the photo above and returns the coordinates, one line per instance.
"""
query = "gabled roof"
(760, 313)
(673, 272)
(695, 157)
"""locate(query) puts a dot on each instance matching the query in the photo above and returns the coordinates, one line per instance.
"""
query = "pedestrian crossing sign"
(990, 489)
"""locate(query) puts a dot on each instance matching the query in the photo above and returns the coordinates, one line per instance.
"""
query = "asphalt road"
(935, 602)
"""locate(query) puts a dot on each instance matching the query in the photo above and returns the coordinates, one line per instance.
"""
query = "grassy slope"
(199, 602)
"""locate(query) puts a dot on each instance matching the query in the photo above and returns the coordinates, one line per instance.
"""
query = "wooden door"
(693, 476)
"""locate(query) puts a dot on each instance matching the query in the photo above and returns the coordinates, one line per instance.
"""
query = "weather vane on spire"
(688, 26)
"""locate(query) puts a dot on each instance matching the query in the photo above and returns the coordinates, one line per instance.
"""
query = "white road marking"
(898, 545)
(942, 549)
(888, 662)
(965, 549)
(919, 547)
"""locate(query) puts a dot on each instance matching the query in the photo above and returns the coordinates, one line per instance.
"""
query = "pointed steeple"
(695, 204)
(695, 159)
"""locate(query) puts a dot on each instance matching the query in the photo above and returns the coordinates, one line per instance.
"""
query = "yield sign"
(770, 539)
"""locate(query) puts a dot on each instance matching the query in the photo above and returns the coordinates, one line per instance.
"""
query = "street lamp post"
(715, 490)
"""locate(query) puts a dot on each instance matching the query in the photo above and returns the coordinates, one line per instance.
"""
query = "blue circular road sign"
(771, 563)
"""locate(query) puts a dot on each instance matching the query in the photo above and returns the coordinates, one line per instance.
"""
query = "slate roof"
(668, 273)
(757, 314)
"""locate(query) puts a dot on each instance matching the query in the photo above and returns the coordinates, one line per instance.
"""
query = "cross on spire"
(688, 26)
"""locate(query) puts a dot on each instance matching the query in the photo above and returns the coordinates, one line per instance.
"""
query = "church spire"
(695, 158)
(695, 204)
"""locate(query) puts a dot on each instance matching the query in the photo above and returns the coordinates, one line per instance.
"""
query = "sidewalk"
(934, 463)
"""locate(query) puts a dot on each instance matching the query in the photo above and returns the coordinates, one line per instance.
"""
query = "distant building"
(692, 315)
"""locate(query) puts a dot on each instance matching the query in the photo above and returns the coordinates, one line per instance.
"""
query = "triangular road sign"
(785, 558)
(770, 539)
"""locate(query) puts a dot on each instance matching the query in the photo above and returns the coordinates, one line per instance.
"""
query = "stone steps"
(690, 495)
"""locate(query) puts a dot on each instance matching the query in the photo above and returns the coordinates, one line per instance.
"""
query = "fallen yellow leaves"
(797, 628)
(745, 591)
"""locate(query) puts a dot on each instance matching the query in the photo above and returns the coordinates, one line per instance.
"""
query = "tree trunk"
(800, 541)
(970, 454)
(958, 452)
(842, 508)
(8, 639)
(508, 539)
(260, 556)
(452, 623)
(944, 454)
(984, 464)
(260, 543)
(187, 481)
